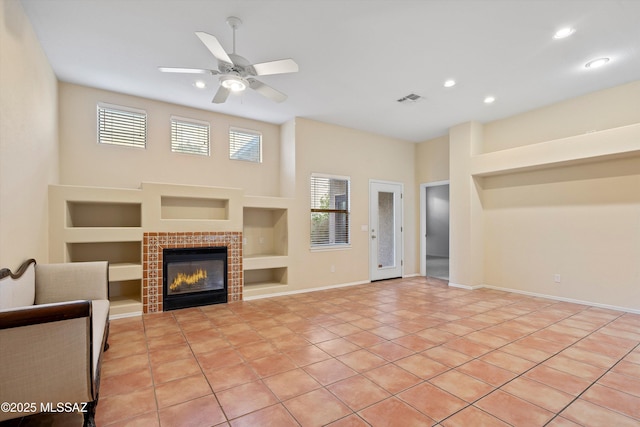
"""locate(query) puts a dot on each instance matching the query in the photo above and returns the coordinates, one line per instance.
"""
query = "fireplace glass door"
(194, 276)
(185, 277)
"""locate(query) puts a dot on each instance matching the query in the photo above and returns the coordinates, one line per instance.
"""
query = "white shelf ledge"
(612, 143)
(102, 234)
(124, 271)
(265, 261)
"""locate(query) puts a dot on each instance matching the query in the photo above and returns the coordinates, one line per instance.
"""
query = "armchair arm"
(72, 281)
(36, 314)
(45, 354)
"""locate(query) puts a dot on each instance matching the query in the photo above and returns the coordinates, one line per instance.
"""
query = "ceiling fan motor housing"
(240, 67)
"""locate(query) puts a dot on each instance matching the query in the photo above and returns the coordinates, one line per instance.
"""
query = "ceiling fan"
(236, 73)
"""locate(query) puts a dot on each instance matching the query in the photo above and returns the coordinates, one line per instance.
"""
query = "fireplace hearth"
(194, 277)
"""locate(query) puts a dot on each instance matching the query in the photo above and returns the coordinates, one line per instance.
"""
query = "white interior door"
(385, 230)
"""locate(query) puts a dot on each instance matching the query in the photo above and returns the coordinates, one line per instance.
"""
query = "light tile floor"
(410, 352)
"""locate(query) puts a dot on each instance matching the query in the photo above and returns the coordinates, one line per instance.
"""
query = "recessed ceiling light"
(595, 63)
(489, 99)
(200, 84)
(563, 33)
(450, 83)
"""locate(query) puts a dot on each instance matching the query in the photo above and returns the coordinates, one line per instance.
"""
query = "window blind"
(122, 126)
(189, 136)
(245, 145)
(329, 210)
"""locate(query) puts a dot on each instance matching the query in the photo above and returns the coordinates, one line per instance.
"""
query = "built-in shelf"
(264, 261)
(265, 277)
(102, 234)
(265, 232)
(264, 289)
(193, 208)
(114, 252)
(121, 306)
(178, 208)
(125, 271)
(594, 146)
(103, 214)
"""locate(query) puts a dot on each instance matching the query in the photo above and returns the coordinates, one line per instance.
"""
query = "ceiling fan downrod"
(234, 23)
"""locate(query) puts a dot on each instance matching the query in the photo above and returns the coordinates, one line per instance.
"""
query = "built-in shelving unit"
(96, 224)
(265, 244)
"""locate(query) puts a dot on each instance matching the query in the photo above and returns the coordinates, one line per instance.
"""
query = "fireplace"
(154, 244)
(194, 276)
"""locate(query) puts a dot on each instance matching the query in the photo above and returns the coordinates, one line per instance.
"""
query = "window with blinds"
(245, 145)
(330, 206)
(189, 136)
(122, 126)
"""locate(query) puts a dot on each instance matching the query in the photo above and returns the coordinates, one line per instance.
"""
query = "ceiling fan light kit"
(234, 84)
(236, 73)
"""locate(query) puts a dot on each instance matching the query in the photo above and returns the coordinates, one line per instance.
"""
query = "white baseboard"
(467, 287)
(303, 291)
(451, 284)
(411, 275)
(563, 299)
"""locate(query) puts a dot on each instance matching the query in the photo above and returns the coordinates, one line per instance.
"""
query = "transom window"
(245, 145)
(330, 204)
(189, 136)
(122, 126)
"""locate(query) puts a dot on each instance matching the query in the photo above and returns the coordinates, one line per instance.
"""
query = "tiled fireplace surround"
(154, 243)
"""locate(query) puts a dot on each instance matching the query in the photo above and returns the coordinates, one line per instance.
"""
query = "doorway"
(385, 230)
(434, 211)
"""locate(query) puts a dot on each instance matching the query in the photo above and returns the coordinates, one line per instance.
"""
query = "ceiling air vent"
(412, 97)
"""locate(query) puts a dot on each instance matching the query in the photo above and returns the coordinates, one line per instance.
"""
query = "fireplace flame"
(183, 279)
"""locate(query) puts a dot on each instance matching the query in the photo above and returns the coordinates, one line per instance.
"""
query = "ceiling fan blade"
(214, 46)
(280, 66)
(221, 95)
(267, 91)
(186, 70)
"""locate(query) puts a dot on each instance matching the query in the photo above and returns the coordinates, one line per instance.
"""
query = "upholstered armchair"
(54, 323)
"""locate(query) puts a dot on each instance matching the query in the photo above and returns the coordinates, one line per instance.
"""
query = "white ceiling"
(356, 57)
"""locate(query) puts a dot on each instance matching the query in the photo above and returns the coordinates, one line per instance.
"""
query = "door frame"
(423, 222)
(399, 250)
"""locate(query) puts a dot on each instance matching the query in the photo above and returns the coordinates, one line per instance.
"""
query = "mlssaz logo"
(63, 407)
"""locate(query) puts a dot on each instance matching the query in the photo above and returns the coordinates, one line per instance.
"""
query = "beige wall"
(85, 162)
(572, 208)
(432, 160)
(28, 139)
(606, 109)
(431, 165)
(582, 222)
(288, 159)
(330, 149)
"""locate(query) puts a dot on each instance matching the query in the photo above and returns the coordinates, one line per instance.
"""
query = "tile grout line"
(388, 362)
(497, 348)
(474, 358)
(533, 367)
(200, 365)
(593, 383)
